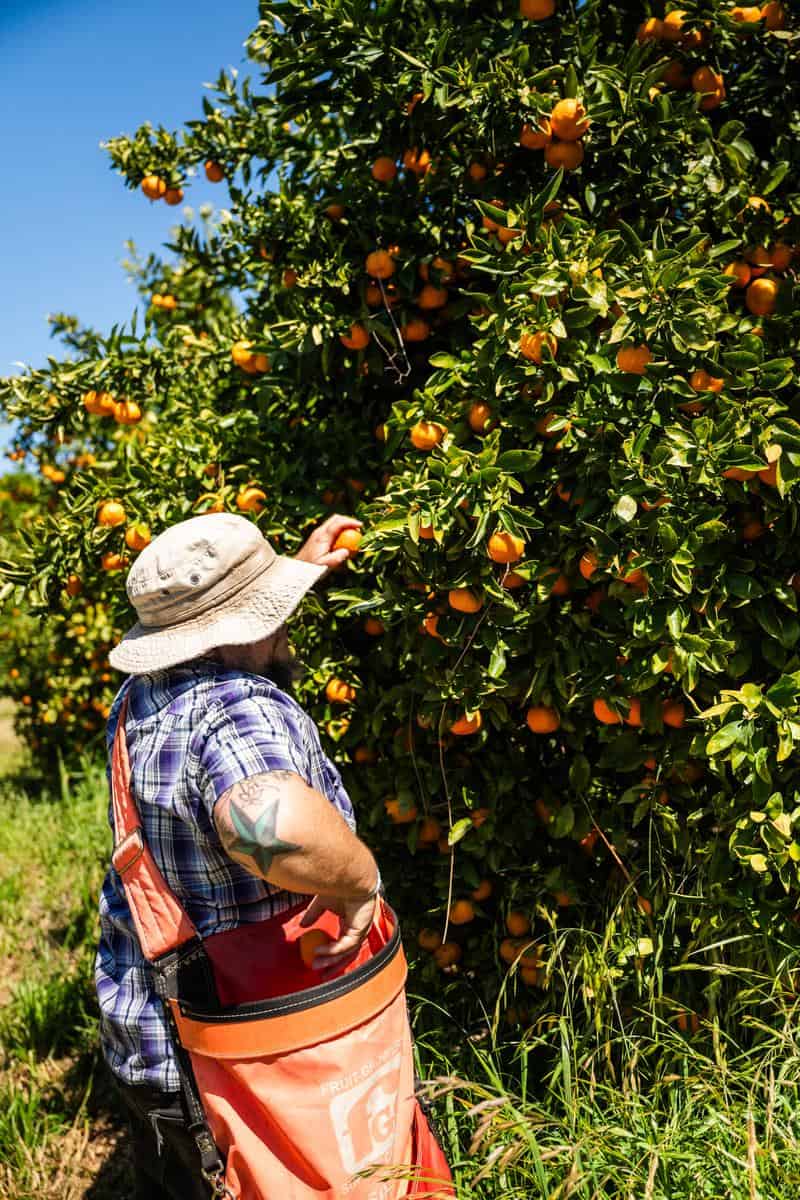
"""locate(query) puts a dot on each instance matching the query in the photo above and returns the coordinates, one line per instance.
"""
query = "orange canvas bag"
(297, 1083)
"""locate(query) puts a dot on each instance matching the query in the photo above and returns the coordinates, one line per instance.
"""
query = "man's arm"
(288, 833)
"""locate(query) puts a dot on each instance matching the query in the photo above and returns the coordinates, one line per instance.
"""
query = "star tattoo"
(256, 836)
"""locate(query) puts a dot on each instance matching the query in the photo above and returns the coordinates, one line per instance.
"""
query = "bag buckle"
(128, 851)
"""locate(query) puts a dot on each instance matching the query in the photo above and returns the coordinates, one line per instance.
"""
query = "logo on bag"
(364, 1118)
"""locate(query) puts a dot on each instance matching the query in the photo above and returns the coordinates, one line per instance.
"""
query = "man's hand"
(319, 546)
(355, 922)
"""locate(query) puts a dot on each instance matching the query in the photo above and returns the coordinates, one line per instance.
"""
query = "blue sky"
(73, 73)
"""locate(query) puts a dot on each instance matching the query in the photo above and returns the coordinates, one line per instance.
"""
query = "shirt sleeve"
(245, 737)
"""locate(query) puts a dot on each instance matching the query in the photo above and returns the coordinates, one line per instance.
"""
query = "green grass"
(11, 749)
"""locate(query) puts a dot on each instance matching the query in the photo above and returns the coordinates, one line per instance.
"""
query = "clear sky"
(73, 73)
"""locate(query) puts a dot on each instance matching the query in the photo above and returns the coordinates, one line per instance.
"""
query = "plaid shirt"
(193, 732)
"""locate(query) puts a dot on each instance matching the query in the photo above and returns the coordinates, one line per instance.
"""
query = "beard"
(285, 673)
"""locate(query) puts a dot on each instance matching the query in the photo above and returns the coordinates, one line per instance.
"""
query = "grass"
(562, 1106)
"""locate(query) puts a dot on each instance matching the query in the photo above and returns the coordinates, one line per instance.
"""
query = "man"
(240, 807)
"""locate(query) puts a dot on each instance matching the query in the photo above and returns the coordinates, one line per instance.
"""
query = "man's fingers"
(343, 947)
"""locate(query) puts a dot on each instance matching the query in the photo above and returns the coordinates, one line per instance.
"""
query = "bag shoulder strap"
(161, 921)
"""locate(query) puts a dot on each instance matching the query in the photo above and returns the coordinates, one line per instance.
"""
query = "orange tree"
(515, 283)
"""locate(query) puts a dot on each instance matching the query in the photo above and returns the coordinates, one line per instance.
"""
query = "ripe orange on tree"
(634, 359)
(739, 272)
(429, 831)
(673, 712)
(427, 434)
(568, 155)
(483, 891)
(74, 585)
(111, 513)
(532, 344)
(568, 120)
(400, 813)
(465, 725)
(338, 691)
(250, 499)
(415, 330)
(605, 713)
(462, 912)
(774, 15)
(588, 563)
(504, 547)
(537, 10)
(536, 137)
(542, 719)
(650, 30)
(379, 264)
(356, 339)
(761, 296)
(374, 627)
(479, 417)
(214, 172)
(710, 84)
(432, 297)
(447, 954)
(464, 600)
(701, 381)
(112, 561)
(512, 580)
(154, 187)
(417, 161)
(517, 923)
(137, 536)
(429, 939)
(173, 195)
(127, 412)
(745, 14)
(384, 168)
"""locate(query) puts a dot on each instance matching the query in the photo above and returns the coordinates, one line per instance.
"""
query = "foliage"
(639, 441)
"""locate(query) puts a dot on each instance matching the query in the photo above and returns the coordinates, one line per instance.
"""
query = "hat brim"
(252, 614)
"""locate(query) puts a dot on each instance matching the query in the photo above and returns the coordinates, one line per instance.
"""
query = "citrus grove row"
(518, 288)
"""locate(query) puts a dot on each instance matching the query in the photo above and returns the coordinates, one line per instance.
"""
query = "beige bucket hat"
(210, 581)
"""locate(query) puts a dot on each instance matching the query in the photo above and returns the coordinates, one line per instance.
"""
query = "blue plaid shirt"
(193, 732)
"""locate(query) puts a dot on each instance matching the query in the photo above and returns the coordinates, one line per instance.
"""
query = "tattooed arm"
(279, 828)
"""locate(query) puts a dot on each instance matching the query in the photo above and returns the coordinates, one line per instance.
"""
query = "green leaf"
(458, 831)
(625, 508)
(725, 737)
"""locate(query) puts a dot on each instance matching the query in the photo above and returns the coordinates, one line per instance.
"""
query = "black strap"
(211, 1163)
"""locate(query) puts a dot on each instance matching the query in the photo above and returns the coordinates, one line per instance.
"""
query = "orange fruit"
(289, 278)
(384, 169)
(214, 172)
(137, 536)
(537, 10)
(430, 625)
(365, 756)
(568, 120)
(111, 513)
(379, 264)
(250, 499)
(512, 580)
(173, 195)
(309, 942)
(588, 564)
(634, 716)
(773, 15)
(464, 726)
(674, 75)
(741, 474)
(111, 561)
(634, 359)
(517, 923)
(427, 434)
(447, 954)
(478, 816)
(427, 532)
(769, 475)
(339, 692)
(673, 713)
(374, 627)
(531, 345)
(542, 719)
(401, 814)
(605, 713)
(432, 297)
(415, 330)
(479, 417)
(701, 381)
(562, 899)
(760, 297)
(154, 187)
(356, 339)
(568, 155)
(483, 891)
(561, 585)
(417, 161)
(536, 137)
(464, 600)
(462, 912)
(739, 272)
(127, 412)
(651, 30)
(749, 14)
(710, 83)
(74, 585)
(429, 939)
(476, 171)
(505, 547)
(780, 256)
(672, 25)
(334, 211)
(429, 831)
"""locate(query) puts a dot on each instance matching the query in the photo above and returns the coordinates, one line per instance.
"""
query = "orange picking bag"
(294, 1081)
